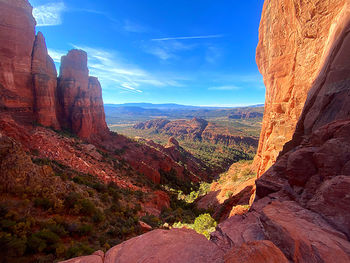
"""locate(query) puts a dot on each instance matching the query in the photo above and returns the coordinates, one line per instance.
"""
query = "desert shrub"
(204, 224)
(12, 246)
(85, 229)
(98, 216)
(151, 220)
(78, 249)
(71, 199)
(228, 194)
(43, 203)
(44, 240)
(87, 207)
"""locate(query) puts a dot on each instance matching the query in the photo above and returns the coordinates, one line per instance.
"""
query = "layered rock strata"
(80, 98)
(17, 35)
(294, 37)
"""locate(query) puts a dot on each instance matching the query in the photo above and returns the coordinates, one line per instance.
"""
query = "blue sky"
(193, 52)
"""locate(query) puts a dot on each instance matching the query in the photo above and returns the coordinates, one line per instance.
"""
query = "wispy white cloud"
(115, 73)
(213, 54)
(127, 87)
(167, 50)
(49, 14)
(185, 38)
(133, 27)
(56, 54)
(228, 87)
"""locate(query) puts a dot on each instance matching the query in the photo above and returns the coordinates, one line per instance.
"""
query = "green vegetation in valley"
(204, 224)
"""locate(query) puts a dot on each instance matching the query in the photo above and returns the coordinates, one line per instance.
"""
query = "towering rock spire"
(80, 97)
(45, 84)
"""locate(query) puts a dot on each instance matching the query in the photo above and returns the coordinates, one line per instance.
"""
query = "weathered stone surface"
(332, 201)
(263, 251)
(294, 39)
(235, 188)
(45, 84)
(168, 246)
(237, 230)
(80, 98)
(17, 34)
(85, 259)
(303, 236)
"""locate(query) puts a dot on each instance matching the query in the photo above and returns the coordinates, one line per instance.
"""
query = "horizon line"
(191, 37)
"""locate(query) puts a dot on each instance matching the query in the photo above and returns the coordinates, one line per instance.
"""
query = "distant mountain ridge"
(173, 106)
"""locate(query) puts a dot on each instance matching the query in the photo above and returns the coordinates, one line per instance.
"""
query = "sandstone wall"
(17, 35)
(294, 37)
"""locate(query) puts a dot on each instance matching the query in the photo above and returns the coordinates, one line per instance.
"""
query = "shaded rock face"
(294, 37)
(80, 97)
(17, 35)
(45, 84)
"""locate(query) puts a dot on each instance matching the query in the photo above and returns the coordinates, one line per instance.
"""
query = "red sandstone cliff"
(17, 39)
(80, 98)
(45, 84)
(293, 40)
(301, 211)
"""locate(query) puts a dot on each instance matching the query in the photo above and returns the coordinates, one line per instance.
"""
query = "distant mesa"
(196, 129)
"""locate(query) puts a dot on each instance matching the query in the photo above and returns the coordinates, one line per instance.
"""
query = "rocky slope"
(294, 38)
(301, 209)
(197, 129)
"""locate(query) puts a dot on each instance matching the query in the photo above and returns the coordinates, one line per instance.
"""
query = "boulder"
(168, 246)
(263, 251)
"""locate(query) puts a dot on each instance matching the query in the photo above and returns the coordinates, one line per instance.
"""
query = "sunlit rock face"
(294, 37)
(17, 35)
(80, 98)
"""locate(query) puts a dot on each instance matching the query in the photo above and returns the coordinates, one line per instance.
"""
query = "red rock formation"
(294, 37)
(152, 159)
(176, 246)
(302, 201)
(17, 36)
(231, 194)
(80, 97)
(256, 251)
(197, 129)
(45, 84)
